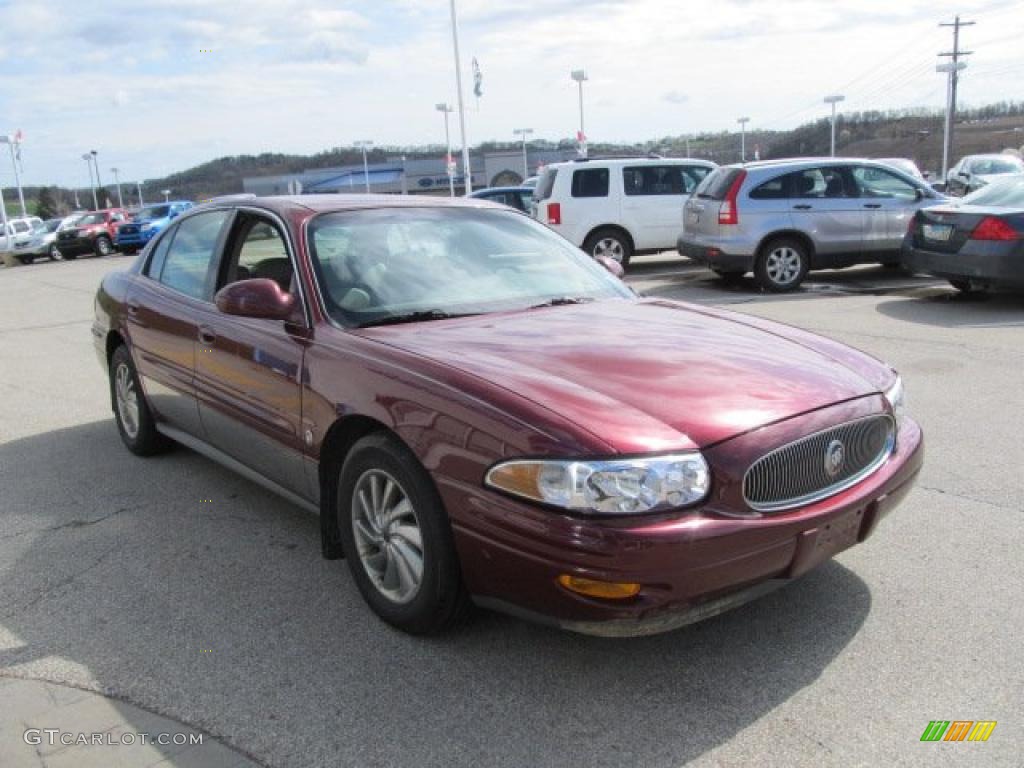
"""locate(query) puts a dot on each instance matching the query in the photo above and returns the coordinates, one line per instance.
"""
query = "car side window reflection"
(876, 182)
(188, 258)
(260, 253)
(819, 183)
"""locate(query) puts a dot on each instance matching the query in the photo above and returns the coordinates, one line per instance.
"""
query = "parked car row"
(779, 219)
(99, 233)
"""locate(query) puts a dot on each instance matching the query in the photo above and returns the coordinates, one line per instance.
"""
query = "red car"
(480, 413)
(94, 233)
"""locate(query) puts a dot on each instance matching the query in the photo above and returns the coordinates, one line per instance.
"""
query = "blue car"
(134, 235)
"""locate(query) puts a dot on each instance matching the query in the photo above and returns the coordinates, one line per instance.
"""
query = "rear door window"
(816, 183)
(186, 266)
(652, 180)
(590, 182)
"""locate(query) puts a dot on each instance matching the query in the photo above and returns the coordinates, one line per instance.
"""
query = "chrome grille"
(800, 473)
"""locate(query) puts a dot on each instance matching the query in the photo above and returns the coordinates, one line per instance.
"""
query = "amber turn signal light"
(609, 590)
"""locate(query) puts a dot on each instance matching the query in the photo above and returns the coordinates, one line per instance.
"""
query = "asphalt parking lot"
(175, 585)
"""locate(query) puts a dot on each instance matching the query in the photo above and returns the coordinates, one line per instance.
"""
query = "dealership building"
(401, 176)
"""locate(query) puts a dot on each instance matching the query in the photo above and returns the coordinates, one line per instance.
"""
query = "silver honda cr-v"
(781, 218)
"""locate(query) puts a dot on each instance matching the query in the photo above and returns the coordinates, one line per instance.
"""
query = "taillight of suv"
(729, 212)
(554, 213)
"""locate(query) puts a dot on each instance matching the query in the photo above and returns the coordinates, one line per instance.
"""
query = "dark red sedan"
(482, 414)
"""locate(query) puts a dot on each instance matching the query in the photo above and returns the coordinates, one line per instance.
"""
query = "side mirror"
(611, 265)
(172, 214)
(919, 194)
(258, 297)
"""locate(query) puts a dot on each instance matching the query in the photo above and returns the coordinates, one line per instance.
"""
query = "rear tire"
(966, 288)
(134, 420)
(397, 538)
(54, 253)
(782, 265)
(26, 260)
(611, 243)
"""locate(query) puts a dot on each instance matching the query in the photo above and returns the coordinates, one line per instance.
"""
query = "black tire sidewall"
(99, 250)
(148, 440)
(761, 267)
(440, 594)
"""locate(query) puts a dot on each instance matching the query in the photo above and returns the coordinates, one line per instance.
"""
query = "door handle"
(206, 335)
(872, 205)
(133, 308)
(803, 207)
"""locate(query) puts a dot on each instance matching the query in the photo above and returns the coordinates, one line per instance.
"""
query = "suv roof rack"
(647, 156)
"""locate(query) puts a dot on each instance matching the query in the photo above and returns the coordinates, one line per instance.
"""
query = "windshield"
(91, 218)
(153, 212)
(377, 264)
(997, 165)
(1008, 193)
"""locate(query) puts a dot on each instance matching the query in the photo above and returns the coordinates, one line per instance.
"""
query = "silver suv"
(781, 218)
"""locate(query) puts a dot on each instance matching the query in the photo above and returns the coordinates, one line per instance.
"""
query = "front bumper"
(134, 239)
(690, 565)
(714, 256)
(75, 246)
(985, 262)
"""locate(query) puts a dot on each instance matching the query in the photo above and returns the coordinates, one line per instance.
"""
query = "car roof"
(281, 204)
(477, 192)
(639, 160)
(987, 155)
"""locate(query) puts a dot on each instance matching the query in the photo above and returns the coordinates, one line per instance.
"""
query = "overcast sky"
(162, 85)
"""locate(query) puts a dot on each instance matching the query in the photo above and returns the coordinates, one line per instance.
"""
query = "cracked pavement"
(115, 577)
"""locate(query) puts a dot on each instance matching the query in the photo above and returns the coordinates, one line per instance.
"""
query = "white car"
(44, 240)
(975, 171)
(615, 207)
(20, 232)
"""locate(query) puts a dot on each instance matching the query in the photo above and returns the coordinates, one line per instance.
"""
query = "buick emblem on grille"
(835, 457)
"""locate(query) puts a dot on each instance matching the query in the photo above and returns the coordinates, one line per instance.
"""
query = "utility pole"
(523, 133)
(833, 100)
(743, 137)
(117, 182)
(467, 172)
(449, 163)
(954, 75)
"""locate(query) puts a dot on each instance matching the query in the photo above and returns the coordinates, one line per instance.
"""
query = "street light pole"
(743, 137)
(92, 185)
(99, 184)
(449, 165)
(580, 76)
(466, 171)
(524, 132)
(950, 69)
(138, 187)
(364, 144)
(11, 142)
(117, 183)
(167, 194)
(833, 100)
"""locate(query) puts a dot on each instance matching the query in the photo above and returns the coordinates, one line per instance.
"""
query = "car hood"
(647, 375)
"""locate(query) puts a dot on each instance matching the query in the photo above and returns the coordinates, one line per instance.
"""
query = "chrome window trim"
(828, 491)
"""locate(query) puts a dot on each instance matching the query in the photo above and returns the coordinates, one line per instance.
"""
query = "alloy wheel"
(609, 247)
(387, 535)
(127, 400)
(783, 265)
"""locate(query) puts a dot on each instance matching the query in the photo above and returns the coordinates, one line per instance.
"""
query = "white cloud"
(304, 75)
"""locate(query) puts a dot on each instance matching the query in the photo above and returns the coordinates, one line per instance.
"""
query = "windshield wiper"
(561, 300)
(415, 317)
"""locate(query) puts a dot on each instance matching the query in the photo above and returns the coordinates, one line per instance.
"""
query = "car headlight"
(147, 226)
(897, 399)
(612, 487)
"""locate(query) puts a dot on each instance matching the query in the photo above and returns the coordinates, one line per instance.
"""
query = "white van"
(616, 207)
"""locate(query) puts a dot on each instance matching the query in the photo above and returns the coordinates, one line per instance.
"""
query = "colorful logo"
(958, 730)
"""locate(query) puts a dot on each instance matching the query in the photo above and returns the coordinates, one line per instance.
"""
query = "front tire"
(103, 246)
(782, 265)
(54, 253)
(611, 243)
(397, 538)
(134, 420)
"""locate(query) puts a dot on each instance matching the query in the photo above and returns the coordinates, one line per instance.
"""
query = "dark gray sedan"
(976, 243)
